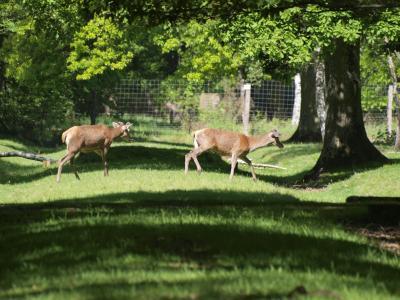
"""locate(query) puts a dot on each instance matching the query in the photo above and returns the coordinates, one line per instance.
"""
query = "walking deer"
(90, 138)
(227, 143)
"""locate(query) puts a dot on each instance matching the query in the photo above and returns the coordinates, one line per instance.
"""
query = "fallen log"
(46, 160)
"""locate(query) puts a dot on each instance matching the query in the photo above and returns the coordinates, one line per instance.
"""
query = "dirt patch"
(387, 238)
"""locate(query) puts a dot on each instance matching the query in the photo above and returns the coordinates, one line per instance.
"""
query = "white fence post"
(297, 99)
(246, 107)
(389, 111)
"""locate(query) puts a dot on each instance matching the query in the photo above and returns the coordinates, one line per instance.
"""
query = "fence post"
(389, 112)
(297, 99)
(246, 107)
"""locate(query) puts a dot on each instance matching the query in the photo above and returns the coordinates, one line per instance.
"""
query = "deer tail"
(194, 134)
(64, 135)
(195, 143)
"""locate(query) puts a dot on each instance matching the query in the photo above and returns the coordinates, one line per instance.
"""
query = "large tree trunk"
(2, 67)
(309, 128)
(346, 143)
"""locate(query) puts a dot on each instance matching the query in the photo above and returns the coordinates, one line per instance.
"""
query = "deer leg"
(193, 155)
(103, 158)
(233, 165)
(105, 162)
(71, 161)
(188, 157)
(248, 161)
(199, 169)
(64, 160)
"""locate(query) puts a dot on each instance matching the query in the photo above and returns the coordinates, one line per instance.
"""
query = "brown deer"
(227, 143)
(90, 138)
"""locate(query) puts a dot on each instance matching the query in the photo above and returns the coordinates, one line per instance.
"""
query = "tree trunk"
(393, 75)
(320, 91)
(309, 129)
(346, 143)
(2, 67)
(93, 108)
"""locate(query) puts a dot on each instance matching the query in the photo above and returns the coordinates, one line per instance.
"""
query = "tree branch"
(46, 161)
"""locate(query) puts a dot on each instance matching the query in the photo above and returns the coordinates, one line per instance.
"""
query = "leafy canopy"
(98, 46)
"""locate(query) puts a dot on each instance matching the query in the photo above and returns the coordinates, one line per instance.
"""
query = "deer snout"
(126, 136)
(278, 143)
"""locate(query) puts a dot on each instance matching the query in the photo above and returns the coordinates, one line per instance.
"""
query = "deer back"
(222, 141)
(95, 134)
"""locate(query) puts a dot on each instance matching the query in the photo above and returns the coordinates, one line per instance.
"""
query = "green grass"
(149, 232)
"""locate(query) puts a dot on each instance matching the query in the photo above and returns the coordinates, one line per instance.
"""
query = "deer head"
(274, 134)
(124, 129)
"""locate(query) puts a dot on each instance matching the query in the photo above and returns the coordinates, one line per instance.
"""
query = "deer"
(227, 143)
(90, 138)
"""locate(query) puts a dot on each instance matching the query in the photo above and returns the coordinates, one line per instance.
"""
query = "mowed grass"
(149, 232)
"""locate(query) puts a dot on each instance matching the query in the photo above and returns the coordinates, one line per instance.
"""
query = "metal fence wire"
(169, 103)
(272, 99)
(375, 100)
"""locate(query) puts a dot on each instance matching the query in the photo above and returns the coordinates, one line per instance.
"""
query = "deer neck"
(116, 132)
(258, 141)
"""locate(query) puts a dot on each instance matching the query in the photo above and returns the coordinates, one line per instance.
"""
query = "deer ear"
(115, 125)
(128, 124)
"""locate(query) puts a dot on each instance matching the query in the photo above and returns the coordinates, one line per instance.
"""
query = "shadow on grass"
(24, 145)
(198, 229)
(11, 173)
(298, 180)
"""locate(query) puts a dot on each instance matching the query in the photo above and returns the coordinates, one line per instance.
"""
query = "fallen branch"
(260, 166)
(46, 161)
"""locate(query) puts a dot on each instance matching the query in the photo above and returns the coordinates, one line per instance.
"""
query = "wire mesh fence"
(374, 100)
(273, 99)
(178, 104)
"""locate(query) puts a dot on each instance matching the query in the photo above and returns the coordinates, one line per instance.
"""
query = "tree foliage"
(57, 56)
(99, 46)
(202, 55)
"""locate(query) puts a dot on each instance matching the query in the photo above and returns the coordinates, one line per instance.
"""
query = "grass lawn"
(149, 232)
